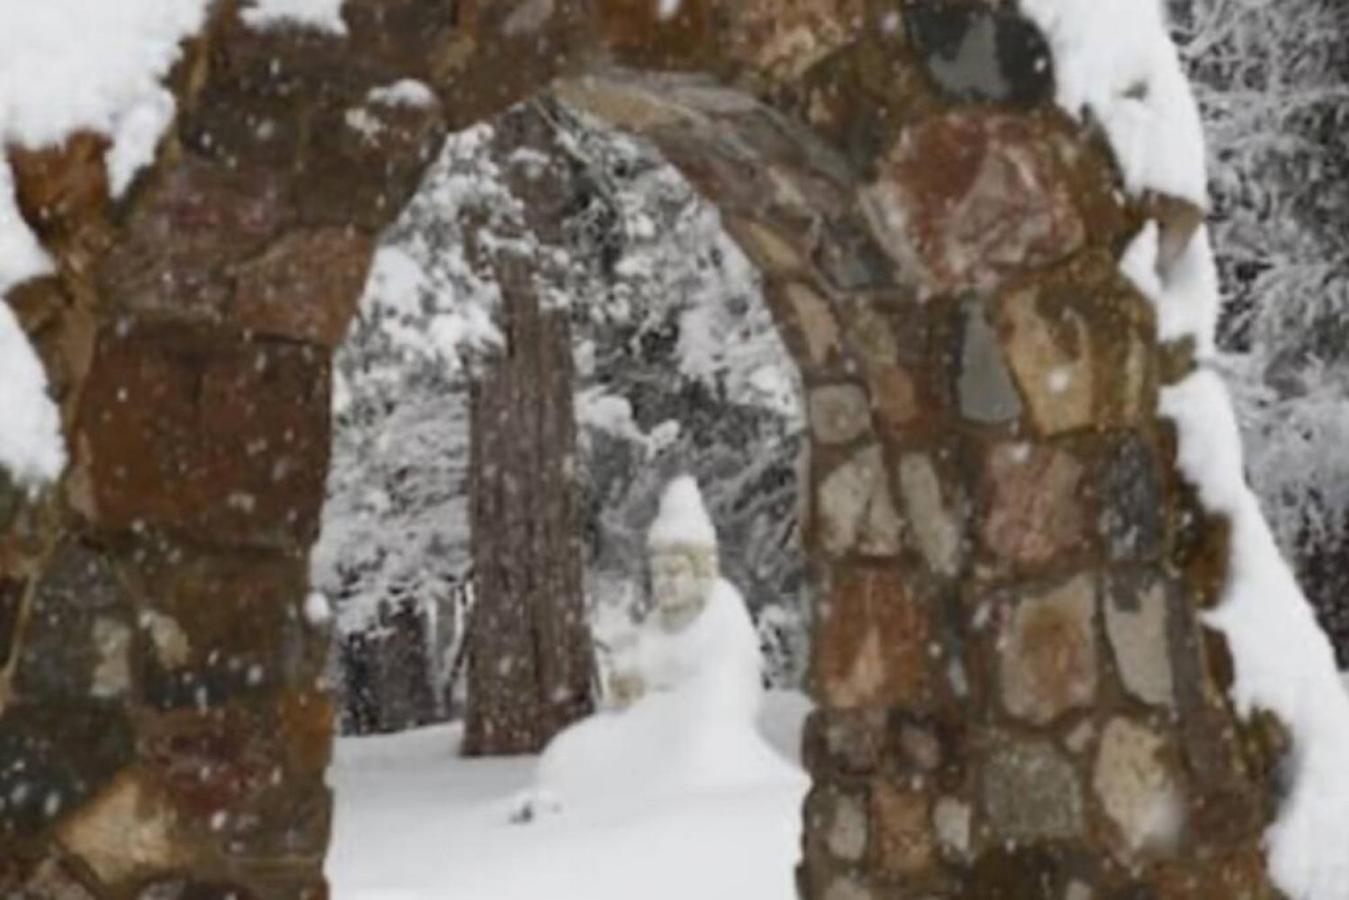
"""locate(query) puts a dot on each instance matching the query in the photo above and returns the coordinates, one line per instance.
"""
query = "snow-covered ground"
(414, 821)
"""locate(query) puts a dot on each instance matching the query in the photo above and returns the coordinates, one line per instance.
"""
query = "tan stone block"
(856, 510)
(1136, 788)
(1047, 652)
(815, 321)
(785, 39)
(765, 246)
(1049, 350)
(929, 515)
(839, 413)
(904, 843)
(1137, 626)
(951, 820)
(839, 818)
(128, 829)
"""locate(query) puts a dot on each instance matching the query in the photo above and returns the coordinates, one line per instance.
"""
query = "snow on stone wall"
(31, 448)
(65, 66)
(1115, 59)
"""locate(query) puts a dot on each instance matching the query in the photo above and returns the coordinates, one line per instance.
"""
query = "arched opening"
(677, 369)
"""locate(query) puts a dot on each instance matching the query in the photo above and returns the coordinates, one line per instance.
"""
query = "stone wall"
(1016, 699)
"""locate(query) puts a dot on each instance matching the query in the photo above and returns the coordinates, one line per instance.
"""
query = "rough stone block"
(130, 830)
(784, 41)
(839, 413)
(1049, 348)
(979, 54)
(1031, 793)
(1136, 788)
(1137, 624)
(871, 643)
(1037, 511)
(305, 286)
(984, 386)
(904, 841)
(1047, 658)
(969, 199)
(839, 820)
(1131, 519)
(54, 758)
(173, 259)
(843, 741)
(951, 825)
(935, 522)
(855, 508)
(815, 321)
(77, 643)
(221, 626)
(222, 440)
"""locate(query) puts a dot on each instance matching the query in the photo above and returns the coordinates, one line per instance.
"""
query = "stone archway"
(1015, 696)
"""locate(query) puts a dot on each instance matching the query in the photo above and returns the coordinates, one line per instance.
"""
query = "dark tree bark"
(530, 660)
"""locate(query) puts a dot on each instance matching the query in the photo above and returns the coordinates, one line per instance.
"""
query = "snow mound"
(682, 519)
(1187, 300)
(695, 730)
(414, 821)
(1114, 59)
(31, 448)
(404, 92)
(1284, 662)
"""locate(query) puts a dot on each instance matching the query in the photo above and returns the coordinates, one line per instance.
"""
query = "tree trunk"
(530, 662)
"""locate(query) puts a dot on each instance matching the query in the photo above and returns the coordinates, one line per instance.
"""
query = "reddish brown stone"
(305, 286)
(972, 198)
(226, 441)
(871, 643)
(212, 761)
(1036, 509)
(173, 259)
(896, 398)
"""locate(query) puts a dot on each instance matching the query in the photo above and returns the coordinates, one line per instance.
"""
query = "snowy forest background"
(678, 368)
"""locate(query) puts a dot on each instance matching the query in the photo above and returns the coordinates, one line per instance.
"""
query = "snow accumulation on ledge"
(320, 15)
(1115, 60)
(31, 449)
(65, 66)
